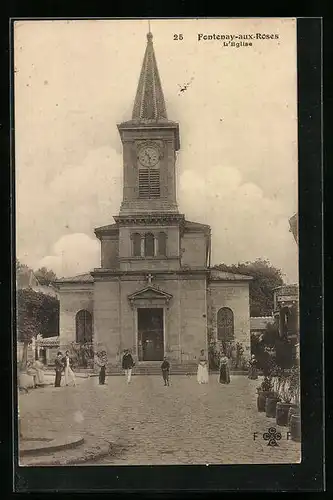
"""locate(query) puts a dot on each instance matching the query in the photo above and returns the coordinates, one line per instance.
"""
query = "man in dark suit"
(127, 364)
(59, 366)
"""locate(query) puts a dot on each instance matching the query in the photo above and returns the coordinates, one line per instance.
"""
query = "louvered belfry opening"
(149, 183)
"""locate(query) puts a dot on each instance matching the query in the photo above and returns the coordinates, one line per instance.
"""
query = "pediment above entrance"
(148, 296)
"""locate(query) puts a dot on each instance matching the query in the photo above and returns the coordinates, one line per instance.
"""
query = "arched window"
(149, 245)
(225, 324)
(162, 237)
(83, 326)
(136, 241)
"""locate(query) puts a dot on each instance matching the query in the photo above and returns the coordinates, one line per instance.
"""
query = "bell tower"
(150, 141)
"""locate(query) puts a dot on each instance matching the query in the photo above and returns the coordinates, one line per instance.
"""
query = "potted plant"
(284, 403)
(294, 414)
(264, 390)
(295, 426)
(271, 403)
(289, 391)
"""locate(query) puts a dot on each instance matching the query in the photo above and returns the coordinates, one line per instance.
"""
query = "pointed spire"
(149, 102)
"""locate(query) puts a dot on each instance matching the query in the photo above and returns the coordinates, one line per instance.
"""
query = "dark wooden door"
(151, 334)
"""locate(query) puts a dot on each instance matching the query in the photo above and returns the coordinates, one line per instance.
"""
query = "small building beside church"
(154, 292)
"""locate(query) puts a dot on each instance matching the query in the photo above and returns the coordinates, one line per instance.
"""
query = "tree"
(45, 276)
(23, 274)
(265, 278)
(37, 313)
(28, 319)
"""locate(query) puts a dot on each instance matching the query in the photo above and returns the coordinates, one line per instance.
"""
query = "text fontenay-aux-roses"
(239, 39)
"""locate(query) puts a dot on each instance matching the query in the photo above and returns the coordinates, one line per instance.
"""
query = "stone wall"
(110, 252)
(107, 316)
(193, 250)
(236, 297)
(193, 311)
(72, 300)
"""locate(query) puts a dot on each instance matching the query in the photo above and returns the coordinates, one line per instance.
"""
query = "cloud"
(73, 254)
(75, 200)
(245, 223)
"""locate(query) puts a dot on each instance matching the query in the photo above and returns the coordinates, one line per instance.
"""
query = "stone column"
(155, 246)
(142, 245)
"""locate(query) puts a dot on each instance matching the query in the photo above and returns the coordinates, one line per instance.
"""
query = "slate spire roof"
(149, 101)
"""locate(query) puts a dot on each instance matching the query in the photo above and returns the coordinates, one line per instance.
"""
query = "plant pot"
(270, 406)
(293, 410)
(261, 399)
(282, 413)
(295, 427)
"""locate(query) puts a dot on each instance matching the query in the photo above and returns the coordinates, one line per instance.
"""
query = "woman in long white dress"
(39, 367)
(202, 374)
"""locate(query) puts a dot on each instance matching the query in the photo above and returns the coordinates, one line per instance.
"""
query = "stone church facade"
(154, 291)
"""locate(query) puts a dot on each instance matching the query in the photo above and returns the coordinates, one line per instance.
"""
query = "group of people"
(224, 370)
(127, 365)
(64, 365)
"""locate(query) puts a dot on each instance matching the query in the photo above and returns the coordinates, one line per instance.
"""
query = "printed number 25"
(178, 37)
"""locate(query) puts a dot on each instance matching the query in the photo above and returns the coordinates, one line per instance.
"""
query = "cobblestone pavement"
(149, 423)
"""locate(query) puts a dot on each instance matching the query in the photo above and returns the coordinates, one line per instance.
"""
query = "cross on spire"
(149, 278)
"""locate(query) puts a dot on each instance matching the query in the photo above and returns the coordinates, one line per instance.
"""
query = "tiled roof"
(47, 290)
(286, 290)
(196, 226)
(216, 275)
(79, 278)
(49, 341)
(108, 227)
(260, 323)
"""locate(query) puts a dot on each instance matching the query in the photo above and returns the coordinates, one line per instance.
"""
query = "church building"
(154, 292)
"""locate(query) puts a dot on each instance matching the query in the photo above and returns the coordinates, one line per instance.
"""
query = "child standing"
(165, 366)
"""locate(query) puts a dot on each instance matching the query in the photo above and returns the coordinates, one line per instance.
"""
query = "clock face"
(148, 156)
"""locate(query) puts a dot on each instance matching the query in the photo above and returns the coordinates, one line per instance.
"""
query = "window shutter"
(149, 183)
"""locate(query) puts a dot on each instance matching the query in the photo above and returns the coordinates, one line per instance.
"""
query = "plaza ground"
(149, 423)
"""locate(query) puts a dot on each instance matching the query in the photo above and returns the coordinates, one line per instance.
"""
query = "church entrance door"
(150, 334)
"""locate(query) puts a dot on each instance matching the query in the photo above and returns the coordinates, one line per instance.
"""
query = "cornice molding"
(149, 218)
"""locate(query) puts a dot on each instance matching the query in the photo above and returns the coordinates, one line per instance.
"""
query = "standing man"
(127, 364)
(165, 366)
(58, 369)
(69, 374)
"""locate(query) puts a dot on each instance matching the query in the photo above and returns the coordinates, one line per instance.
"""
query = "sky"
(237, 165)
